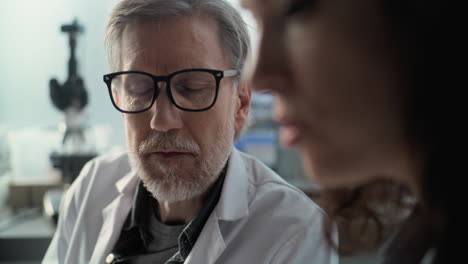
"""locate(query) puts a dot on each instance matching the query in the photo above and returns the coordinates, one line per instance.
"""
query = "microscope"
(69, 97)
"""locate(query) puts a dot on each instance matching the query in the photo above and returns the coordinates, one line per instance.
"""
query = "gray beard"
(179, 183)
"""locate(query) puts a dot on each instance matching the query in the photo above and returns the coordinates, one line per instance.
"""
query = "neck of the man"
(180, 212)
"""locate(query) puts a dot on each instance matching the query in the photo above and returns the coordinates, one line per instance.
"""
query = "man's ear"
(244, 94)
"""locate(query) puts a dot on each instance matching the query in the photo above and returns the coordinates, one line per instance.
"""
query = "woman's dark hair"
(366, 215)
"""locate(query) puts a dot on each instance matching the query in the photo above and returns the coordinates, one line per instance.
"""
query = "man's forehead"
(190, 42)
(181, 26)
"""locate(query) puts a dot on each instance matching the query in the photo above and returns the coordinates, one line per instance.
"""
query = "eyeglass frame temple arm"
(230, 73)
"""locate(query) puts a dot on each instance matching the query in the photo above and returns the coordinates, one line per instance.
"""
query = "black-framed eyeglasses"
(192, 90)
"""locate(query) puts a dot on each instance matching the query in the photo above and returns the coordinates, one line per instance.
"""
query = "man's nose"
(166, 116)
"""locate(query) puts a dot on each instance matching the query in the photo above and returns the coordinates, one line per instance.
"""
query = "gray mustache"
(168, 140)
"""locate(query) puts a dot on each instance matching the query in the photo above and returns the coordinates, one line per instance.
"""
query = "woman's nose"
(269, 67)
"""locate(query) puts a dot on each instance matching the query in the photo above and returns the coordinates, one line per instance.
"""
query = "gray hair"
(233, 31)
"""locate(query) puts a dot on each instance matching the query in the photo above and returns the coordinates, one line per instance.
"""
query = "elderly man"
(182, 194)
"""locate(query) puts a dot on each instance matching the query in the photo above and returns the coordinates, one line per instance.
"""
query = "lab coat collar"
(233, 203)
(127, 184)
(210, 244)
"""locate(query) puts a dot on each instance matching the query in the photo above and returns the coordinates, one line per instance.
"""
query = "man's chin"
(171, 183)
(170, 192)
(175, 180)
(164, 172)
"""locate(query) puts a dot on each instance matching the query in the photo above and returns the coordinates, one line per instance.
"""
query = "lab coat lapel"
(232, 205)
(114, 216)
(234, 201)
(210, 244)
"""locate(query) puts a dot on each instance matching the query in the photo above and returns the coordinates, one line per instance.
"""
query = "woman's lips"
(290, 134)
(291, 128)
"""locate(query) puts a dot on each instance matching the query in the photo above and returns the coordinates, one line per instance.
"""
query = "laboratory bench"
(24, 235)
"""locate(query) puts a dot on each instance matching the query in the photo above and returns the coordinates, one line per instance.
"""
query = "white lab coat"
(259, 218)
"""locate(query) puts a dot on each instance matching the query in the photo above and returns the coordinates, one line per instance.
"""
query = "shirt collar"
(190, 234)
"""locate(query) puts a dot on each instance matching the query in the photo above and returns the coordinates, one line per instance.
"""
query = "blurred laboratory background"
(55, 115)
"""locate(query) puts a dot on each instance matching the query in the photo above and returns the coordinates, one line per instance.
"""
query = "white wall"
(33, 50)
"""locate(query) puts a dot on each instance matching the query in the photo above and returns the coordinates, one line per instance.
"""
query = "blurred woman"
(359, 97)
